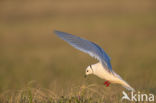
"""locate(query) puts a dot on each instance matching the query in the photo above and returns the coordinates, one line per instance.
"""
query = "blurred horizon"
(30, 51)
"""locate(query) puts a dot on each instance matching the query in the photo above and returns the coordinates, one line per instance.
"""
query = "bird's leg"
(107, 83)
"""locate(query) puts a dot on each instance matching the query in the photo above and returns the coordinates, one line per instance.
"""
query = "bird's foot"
(107, 83)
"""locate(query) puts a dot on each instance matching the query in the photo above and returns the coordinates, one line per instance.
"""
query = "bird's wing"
(88, 47)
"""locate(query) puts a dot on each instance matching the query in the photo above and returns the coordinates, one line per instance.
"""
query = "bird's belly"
(107, 76)
(102, 73)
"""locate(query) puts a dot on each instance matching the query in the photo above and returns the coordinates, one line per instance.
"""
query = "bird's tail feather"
(124, 83)
(127, 86)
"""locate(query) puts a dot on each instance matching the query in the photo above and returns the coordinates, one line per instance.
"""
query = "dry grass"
(29, 51)
(78, 94)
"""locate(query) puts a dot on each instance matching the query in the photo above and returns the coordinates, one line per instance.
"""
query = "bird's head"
(89, 70)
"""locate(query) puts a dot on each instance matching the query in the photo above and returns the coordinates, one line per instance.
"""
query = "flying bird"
(103, 68)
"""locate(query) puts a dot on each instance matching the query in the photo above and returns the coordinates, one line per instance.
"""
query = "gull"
(103, 68)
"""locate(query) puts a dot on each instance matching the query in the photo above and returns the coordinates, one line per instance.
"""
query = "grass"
(79, 94)
(29, 50)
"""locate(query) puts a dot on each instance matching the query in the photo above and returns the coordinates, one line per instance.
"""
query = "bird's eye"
(87, 70)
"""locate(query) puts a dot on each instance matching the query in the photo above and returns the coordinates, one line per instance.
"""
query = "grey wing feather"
(88, 47)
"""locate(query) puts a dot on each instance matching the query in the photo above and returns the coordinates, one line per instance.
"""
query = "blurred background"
(30, 52)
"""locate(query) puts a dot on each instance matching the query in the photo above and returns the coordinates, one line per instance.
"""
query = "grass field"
(38, 67)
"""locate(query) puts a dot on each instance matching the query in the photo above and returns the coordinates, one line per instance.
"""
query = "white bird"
(103, 68)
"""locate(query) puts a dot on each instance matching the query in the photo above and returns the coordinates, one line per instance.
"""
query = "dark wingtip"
(56, 31)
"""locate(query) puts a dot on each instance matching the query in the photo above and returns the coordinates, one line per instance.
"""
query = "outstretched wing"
(88, 47)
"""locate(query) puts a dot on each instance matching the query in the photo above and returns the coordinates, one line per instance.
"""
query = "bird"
(103, 68)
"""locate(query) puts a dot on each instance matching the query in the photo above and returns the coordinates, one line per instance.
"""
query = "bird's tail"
(127, 86)
(124, 83)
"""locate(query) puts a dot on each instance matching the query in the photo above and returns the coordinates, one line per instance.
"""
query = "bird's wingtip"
(56, 31)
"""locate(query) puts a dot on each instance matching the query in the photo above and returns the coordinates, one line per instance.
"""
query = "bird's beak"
(85, 76)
